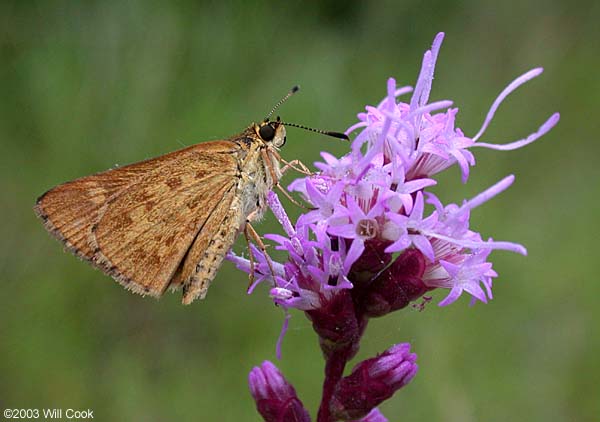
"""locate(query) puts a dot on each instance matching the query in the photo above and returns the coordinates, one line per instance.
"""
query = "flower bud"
(275, 398)
(373, 381)
(397, 286)
(374, 416)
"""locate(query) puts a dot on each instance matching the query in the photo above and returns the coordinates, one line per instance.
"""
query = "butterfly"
(168, 222)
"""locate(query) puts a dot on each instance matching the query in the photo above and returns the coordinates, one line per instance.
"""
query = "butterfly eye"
(267, 132)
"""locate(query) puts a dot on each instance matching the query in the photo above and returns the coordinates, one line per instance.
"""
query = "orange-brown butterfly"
(168, 222)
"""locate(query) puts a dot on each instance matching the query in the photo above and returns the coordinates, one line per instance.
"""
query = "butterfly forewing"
(138, 222)
(71, 209)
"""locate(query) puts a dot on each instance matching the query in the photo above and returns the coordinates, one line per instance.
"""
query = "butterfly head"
(271, 133)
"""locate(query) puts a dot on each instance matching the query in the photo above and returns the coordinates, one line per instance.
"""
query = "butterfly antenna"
(338, 135)
(283, 100)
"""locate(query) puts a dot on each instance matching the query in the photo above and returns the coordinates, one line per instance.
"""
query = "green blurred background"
(87, 85)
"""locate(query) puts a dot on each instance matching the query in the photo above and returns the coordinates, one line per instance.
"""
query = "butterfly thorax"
(259, 166)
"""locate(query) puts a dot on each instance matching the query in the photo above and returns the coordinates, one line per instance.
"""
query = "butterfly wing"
(137, 223)
(71, 209)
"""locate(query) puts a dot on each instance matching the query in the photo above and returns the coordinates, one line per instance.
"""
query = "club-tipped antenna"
(338, 135)
(294, 89)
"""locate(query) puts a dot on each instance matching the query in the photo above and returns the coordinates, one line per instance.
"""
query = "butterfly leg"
(287, 166)
(250, 257)
(295, 165)
(249, 232)
(292, 200)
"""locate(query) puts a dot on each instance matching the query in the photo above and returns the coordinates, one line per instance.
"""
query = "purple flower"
(375, 240)
(373, 203)
(372, 381)
(275, 398)
(352, 222)
(414, 228)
